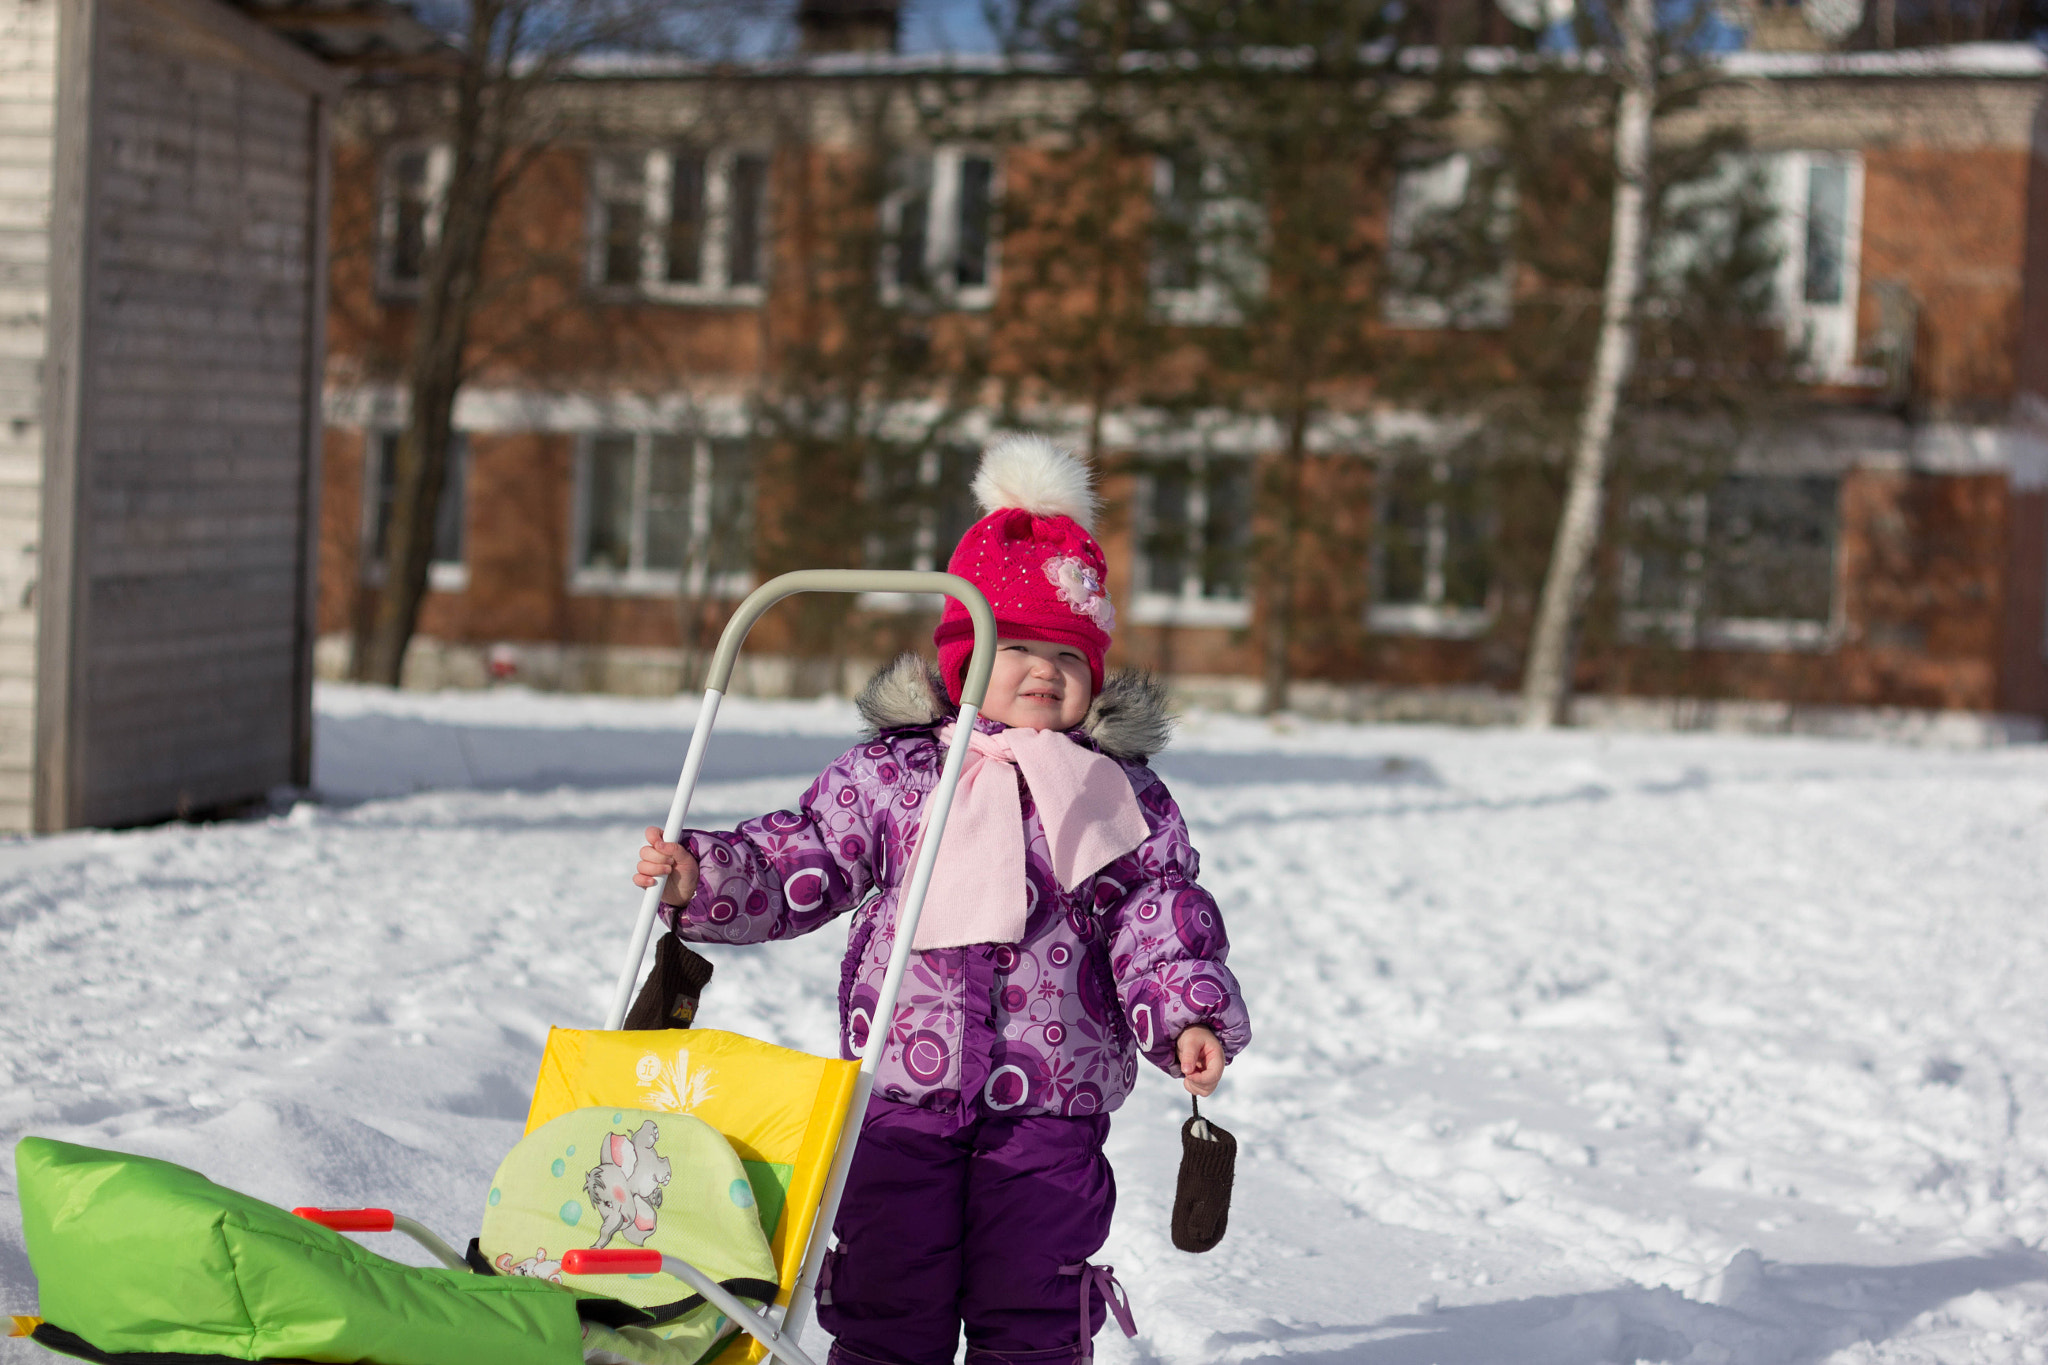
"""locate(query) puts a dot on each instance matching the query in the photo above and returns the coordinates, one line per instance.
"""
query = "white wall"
(28, 83)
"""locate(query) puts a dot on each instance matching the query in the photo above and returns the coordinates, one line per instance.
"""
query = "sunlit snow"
(1571, 1048)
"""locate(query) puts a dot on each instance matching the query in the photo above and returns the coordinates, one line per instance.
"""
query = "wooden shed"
(163, 210)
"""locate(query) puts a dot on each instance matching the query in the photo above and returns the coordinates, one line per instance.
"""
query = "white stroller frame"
(781, 1340)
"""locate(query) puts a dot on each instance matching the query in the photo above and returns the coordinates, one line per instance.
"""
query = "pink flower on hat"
(1081, 588)
(1033, 555)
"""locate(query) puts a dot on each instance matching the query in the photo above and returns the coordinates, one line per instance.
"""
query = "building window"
(1433, 550)
(938, 230)
(1206, 242)
(446, 571)
(1748, 565)
(660, 512)
(919, 503)
(412, 191)
(1819, 201)
(1449, 232)
(1193, 521)
(682, 224)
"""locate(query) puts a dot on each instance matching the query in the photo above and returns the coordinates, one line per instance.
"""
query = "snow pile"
(1570, 1048)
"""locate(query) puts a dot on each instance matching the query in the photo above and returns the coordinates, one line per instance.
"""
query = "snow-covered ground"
(1570, 1048)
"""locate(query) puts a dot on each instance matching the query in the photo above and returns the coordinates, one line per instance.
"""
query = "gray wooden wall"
(190, 447)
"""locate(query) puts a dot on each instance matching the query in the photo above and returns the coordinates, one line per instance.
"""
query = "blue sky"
(945, 26)
(960, 26)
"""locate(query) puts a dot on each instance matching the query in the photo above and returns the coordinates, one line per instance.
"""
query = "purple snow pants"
(943, 1224)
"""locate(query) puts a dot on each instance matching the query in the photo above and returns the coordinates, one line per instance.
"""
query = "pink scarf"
(1084, 800)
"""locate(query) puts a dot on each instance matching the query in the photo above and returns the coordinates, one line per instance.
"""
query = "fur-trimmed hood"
(1128, 720)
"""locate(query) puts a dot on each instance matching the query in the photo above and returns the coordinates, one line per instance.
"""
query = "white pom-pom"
(1032, 473)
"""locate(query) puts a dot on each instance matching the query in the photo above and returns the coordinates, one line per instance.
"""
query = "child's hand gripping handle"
(671, 830)
(668, 865)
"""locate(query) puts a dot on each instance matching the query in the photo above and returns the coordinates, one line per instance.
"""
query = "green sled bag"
(135, 1256)
(609, 1178)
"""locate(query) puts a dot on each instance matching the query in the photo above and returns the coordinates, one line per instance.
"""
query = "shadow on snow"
(362, 758)
(1771, 1314)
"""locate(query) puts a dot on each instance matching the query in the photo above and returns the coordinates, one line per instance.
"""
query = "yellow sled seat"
(784, 1113)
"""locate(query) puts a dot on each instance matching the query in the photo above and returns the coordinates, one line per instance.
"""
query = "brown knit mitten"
(1201, 1203)
(668, 998)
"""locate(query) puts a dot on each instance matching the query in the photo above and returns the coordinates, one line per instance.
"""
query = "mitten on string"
(669, 997)
(1201, 1200)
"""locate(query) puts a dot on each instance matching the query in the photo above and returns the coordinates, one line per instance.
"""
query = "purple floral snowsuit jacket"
(1054, 1024)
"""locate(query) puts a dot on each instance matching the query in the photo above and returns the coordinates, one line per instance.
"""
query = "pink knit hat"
(1033, 555)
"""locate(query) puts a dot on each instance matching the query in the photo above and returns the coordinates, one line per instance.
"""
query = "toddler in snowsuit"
(1063, 937)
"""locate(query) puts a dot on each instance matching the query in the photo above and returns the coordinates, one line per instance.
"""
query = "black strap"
(71, 1344)
(589, 1308)
(605, 1311)
(476, 1259)
(612, 1313)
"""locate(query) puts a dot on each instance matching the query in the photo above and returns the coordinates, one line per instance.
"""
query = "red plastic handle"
(349, 1220)
(620, 1261)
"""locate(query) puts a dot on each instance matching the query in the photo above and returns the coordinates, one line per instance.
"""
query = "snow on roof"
(1985, 60)
(364, 34)
(1963, 59)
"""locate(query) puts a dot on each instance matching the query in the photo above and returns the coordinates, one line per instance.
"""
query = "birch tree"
(487, 106)
(1264, 137)
(1546, 677)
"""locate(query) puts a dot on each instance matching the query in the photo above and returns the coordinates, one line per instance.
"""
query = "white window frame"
(1189, 606)
(443, 575)
(1825, 331)
(440, 159)
(942, 232)
(1431, 616)
(657, 177)
(694, 578)
(1442, 185)
(1227, 268)
(1688, 626)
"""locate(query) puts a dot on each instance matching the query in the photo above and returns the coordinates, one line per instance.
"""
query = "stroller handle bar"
(979, 665)
(384, 1220)
(860, 581)
(647, 1261)
(974, 691)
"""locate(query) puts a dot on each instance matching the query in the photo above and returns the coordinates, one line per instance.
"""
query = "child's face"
(1039, 685)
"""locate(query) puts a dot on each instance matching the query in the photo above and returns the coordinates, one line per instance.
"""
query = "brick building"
(1882, 542)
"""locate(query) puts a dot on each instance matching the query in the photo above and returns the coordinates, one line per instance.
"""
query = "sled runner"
(670, 1203)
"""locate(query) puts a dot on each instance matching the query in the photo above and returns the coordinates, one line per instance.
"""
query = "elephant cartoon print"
(625, 1185)
(536, 1266)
